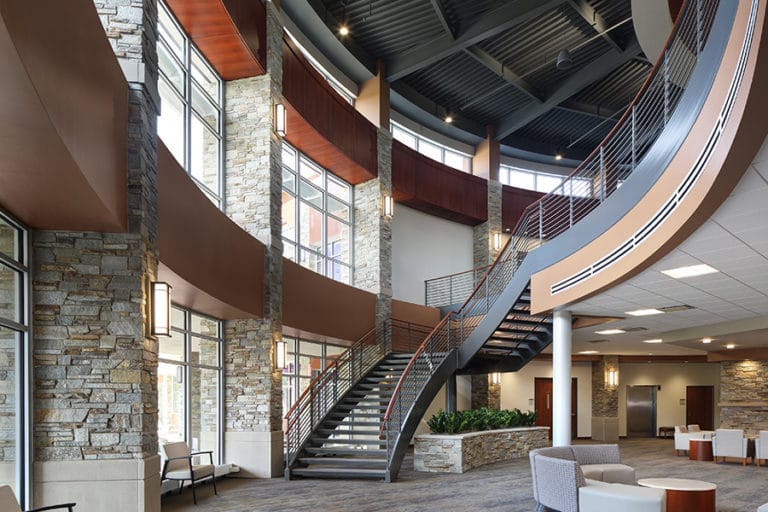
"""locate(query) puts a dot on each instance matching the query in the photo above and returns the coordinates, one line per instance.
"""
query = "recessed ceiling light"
(655, 340)
(644, 312)
(558, 156)
(344, 30)
(689, 271)
(449, 119)
(730, 346)
(588, 352)
(706, 340)
(611, 331)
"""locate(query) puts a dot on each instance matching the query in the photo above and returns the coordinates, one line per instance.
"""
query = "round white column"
(561, 379)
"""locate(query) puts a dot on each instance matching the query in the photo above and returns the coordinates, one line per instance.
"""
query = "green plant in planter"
(479, 419)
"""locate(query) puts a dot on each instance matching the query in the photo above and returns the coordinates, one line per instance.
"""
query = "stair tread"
(350, 461)
(338, 450)
(345, 472)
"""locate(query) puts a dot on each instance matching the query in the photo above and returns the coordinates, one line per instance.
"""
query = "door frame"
(574, 404)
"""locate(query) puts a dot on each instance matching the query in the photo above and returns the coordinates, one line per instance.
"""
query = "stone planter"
(458, 453)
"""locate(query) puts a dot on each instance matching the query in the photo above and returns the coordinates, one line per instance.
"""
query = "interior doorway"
(641, 411)
(542, 398)
(700, 406)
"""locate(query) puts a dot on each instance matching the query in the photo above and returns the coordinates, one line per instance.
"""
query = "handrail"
(331, 385)
(588, 186)
(453, 288)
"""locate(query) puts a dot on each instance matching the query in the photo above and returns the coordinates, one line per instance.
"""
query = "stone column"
(373, 231)
(95, 365)
(253, 177)
(485, 393)
(485, 163)
(605, 400)
(743, 395)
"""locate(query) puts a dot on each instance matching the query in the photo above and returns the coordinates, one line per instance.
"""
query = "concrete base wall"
(258, 454)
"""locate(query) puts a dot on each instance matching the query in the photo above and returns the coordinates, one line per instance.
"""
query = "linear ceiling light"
(655, 340)
(644, 312)
(611, 331)
(689, 271)
(706, 340)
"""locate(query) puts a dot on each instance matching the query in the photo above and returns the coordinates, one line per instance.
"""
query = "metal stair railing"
(611, 163)
(330, 386)
(452, 289)
(587, 187)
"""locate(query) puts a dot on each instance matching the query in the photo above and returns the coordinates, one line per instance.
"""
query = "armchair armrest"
(68, 506)
(209, 452)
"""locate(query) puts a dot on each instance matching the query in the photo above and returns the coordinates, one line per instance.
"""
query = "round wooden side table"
(700, 449)
(684, 495)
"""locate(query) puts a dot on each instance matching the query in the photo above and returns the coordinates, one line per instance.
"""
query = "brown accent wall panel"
(230, 33)
(324, 126)
(415, 313)
(220, 267)
(514, 201)
(434, 188)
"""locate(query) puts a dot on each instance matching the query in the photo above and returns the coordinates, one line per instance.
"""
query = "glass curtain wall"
(432, 149)
(14, 346)
(190, 121)
(190, 382)
(304, 361)
(317, 217)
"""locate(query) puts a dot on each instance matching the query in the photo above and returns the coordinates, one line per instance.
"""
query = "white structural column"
(561, 379)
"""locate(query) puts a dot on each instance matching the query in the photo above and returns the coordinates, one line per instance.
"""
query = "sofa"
(683, 437)
(589, 478)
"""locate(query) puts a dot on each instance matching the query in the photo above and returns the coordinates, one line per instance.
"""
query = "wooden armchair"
(8, 503)
(179, 466)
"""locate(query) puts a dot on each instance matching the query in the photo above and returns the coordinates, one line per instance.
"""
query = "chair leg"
(194, 495)
(181, 486)
(213, 479)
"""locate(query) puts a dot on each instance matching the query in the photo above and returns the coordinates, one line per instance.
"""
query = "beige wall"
(673, 379)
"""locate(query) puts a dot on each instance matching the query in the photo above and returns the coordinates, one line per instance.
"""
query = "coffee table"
(684, 495)
(700, 449)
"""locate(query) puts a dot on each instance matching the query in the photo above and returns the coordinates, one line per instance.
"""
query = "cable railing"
(328, 387)
(452, 289)
(588, 186)
(610, 164)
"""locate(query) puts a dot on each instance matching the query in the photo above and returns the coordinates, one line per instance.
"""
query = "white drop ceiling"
(730, 306)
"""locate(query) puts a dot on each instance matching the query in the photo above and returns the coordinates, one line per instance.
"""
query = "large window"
(305, 360)
(317, 217)
(342, 91)
(189, 380)
(14, 330)
(190, 121)
(432, 149)
(544, 182)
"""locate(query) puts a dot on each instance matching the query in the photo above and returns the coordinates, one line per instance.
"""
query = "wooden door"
(700, 406)
(542, 399)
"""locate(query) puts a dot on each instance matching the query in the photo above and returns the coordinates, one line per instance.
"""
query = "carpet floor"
(497, 487)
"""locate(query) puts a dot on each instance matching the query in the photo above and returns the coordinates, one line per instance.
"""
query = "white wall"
(463, 402)
(517, 390)
(673, 379)
(425, 247)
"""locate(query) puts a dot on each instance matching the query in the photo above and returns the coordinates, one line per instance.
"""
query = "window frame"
(420, 140)
(293, 248)
(192, 85)
(186, 365)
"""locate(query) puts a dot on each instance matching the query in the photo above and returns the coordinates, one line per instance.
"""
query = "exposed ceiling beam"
(508, 15)
(487, 60)
(597, 22)
(590, 73)
(587, 108)
(437, 5)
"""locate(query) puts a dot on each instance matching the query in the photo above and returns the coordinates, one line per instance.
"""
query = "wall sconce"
(496, 241)
(161, 309)
(280, 119)
(612, 378)
(388, 206)
(495, 378)
(281, 349)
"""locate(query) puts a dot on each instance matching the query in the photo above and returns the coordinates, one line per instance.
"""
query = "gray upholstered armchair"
(8, 503)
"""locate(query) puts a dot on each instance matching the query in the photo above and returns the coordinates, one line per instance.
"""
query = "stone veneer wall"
(253, 168)
(484, 393)
(744, 395)
(461, 452)
(483, 251)
(95, 365)
(373, 232)
(605, 400)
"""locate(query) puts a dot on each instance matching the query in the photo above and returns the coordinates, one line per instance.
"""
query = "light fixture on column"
(280, 119)
(495, 378)
(612, 378)
(496, 241)
(280, 352)
(161, 309)
(388, 206)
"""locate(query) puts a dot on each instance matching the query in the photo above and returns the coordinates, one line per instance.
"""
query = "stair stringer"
(445, 370)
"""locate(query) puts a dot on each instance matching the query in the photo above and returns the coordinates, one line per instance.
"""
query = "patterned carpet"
(498, 487)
